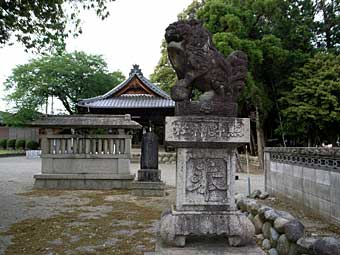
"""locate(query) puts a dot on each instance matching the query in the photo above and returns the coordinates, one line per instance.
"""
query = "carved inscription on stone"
(206, 180)
(207, 129)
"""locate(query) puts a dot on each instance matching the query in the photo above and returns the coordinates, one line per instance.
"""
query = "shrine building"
(144, 101)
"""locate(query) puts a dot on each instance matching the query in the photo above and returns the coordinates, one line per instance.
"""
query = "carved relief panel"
(204, 178)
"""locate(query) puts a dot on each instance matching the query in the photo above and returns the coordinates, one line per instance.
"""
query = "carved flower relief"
(207, 177)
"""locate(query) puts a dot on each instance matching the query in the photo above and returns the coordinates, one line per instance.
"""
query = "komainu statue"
(200, 66)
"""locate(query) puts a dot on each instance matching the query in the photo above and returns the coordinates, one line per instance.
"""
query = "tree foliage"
(313, 106)
(279, 37)
(67, 76)
(43, 24)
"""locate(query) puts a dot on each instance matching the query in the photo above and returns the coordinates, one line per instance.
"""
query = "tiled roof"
(109, 100)
(130, 101)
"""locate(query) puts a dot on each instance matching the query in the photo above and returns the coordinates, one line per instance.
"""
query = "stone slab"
(82, 181)
(204, 131)
(207, 247)
(177, 227)
(147, 189)
(205, 179)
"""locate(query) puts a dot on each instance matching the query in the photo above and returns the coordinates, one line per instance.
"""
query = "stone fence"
(309, 176)
(85, 161)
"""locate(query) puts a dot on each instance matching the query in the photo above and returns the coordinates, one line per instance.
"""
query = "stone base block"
(177, 226)
(152, 175)
(82, 181)
(147, 189)
(207, 246)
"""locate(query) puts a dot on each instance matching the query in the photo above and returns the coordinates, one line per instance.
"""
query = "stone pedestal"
(206, 247)
(206, 165)
(149, 176)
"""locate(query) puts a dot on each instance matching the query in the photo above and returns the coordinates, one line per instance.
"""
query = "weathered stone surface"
(249, 205)
(273, 251)
(293, 249)
(211, 191)
(147, 189)
(192, 55)
(255, 194)
(204, 246)
(262, 210)
(305, 244)
(326, 246)
(149, 175)
(266, 229)
(294, 230)
(279, 224)
(258, 223)
(192, 131)
(283, 245)
(251, 218)
(176, 226)
(149, 152)
(253, 208)
(264, 195)
(259, 238)
(274, 237)
(266, 244)
(238, 198)
(271, 215)
(82, 181)
(285, 215)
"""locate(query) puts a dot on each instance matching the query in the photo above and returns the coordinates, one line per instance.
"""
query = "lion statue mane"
(199, 65)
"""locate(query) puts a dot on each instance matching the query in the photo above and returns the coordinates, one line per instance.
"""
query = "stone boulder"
(294, 230)
(266, 244)
(262, 209)
(273, 251)
(283, 245)
(271, 215)
(274, 237)
(258, 223)
(264, 195)
(305, 244)
(326, 246)
(285, 215)
(255, 194)
(266, 229)
(279, 224)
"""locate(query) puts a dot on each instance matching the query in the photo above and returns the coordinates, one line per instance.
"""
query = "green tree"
(328, 27)
(43, 24)
(68, 77)
(312, 108)
(164, 75)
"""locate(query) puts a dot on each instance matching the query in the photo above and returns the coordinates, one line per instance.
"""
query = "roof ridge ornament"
(135, 70)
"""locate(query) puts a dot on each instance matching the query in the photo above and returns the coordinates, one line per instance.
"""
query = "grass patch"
(36, 236)
(43, 192)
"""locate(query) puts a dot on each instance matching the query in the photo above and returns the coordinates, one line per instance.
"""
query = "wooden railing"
(90, 144)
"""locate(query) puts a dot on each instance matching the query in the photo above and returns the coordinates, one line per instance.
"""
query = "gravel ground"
(81, 211)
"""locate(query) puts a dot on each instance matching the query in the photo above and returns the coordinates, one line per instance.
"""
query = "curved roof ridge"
(154, 88)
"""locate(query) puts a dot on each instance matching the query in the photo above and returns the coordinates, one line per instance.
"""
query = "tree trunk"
(260, 140)
(252, 143)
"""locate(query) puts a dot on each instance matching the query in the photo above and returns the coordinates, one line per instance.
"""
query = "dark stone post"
(149, 159)
(149, 176)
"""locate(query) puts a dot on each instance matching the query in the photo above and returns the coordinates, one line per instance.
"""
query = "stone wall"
(309, 176)
(280, 233)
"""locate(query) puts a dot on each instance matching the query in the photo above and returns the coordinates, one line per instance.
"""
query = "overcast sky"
(132, 34)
